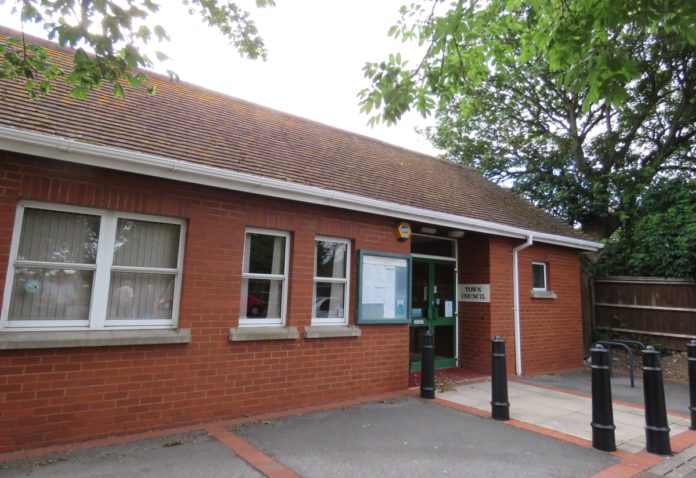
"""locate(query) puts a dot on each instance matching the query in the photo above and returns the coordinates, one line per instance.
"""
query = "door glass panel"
(419, 290)
(416, 343)
(444, 290)
(444, 341)
(433, 308)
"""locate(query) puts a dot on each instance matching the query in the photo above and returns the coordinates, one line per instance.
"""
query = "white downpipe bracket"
(516, 302)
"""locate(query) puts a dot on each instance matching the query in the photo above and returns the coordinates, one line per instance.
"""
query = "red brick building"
(189, 256)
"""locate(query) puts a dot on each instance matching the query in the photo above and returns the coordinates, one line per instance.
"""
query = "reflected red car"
(255, 306)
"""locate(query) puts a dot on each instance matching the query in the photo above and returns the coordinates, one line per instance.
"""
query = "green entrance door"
(433, 285)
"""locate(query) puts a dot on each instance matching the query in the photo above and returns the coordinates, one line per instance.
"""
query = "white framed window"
(80, 268)
(331, 281)
(539, 276)
(264, 278)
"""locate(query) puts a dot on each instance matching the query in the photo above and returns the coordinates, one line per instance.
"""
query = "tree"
(579, 105)
(109, 37)
(662, 241)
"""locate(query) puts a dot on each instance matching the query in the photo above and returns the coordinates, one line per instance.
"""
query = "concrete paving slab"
(677, 466)
(632, 446)
(574, 424)
(536, 414)
(410, 437)
(676, 394)
(567, 413)
(176, 456)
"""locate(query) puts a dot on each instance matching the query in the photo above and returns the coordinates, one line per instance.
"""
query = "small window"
(331, 278)
(264, 278)
(82, 268)
(539, 278)
(432, 246)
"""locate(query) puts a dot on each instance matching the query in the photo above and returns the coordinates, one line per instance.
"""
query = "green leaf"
(79, 93)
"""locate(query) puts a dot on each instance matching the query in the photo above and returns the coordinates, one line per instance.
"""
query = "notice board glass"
(383, 288)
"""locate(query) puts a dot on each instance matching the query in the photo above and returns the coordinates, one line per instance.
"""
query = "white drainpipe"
(516, 301)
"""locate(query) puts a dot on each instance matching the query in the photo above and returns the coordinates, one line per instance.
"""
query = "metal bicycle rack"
(626, 345)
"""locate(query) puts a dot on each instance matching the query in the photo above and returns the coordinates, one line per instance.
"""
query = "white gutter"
(65, 149)
(516, 303)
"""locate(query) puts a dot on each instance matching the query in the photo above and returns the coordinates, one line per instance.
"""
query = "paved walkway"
(560, 406)
(564, 412)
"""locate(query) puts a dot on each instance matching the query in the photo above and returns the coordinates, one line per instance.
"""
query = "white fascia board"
(69, 150)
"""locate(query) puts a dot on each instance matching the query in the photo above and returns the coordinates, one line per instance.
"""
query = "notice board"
(383, 288)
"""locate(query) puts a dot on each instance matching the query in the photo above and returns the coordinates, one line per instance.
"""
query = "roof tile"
(189, 123)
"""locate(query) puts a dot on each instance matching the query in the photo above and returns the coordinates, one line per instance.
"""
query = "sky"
(316, 51)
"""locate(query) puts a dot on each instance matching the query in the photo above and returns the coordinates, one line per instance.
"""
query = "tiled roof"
(189, 123)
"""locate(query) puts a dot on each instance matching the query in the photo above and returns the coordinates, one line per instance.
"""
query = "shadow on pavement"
(676, 394)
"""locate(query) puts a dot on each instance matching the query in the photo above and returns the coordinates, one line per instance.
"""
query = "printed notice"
(378, 294)
(379, 283)
(449, 311)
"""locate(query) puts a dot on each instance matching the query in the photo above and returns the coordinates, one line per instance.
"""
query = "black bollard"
(500, 407)
(656, 426)
(602, 412)
(428, 366)
(691, 347)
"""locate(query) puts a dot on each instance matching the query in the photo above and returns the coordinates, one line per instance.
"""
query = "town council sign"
(474, 292)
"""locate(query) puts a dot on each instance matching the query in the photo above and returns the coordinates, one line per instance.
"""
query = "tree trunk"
(600, 227)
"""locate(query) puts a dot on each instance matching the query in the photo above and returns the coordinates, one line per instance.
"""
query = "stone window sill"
(91, 338)
(241, 334)
(543, 294)
(327, 331)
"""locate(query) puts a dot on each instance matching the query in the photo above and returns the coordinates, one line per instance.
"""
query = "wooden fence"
(658, 310)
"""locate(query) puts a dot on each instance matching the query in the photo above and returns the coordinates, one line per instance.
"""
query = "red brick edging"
(631, 464)
(218, 430)
(252, 455)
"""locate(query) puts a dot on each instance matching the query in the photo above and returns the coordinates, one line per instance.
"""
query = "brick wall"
(60, 395)
(474, 317)
(551, 332)
(502, 301)
(551, 328)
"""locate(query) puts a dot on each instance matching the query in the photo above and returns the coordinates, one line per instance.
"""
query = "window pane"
(432, 246)
(331, 259)
(538, 276)
(444, 285)
(140, 296)
(266, 254)
(263, 298)
(146, 244)
(329, 300)
(50, 294)
(55, 236)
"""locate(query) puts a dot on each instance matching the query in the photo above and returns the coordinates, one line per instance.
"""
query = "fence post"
(500, 407)
(656, 426)
(603, 437)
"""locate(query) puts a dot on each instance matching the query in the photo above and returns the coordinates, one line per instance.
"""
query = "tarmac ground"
(177, 456)
(395, 435)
